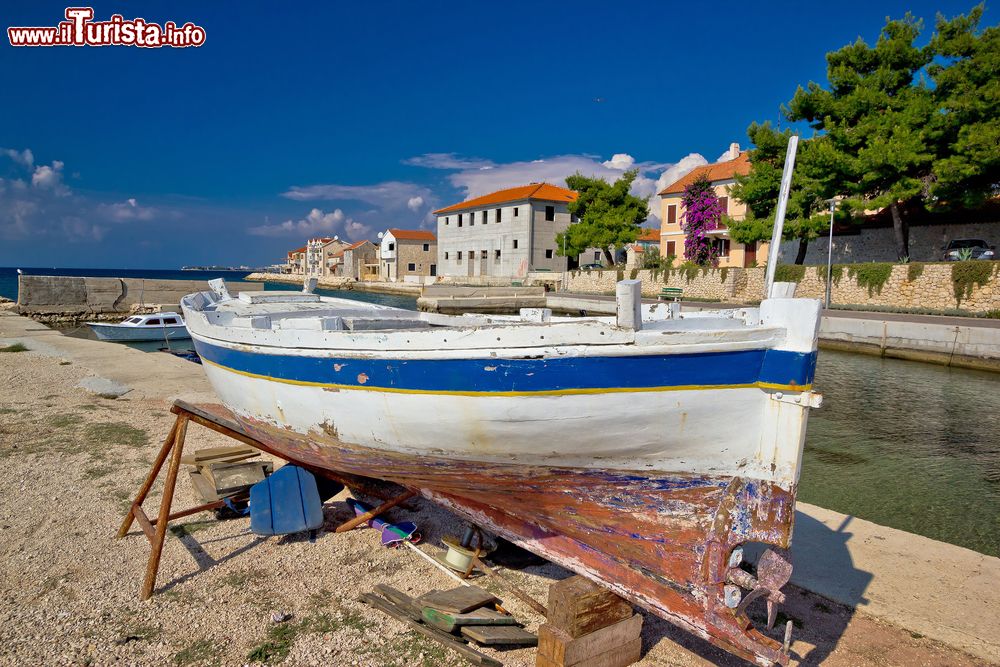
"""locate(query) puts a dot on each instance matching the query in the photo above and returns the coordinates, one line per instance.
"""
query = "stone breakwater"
(70, 299)
(973, 287)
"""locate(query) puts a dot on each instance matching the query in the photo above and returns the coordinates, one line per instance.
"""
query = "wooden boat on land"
(151, 327)
(643, 451)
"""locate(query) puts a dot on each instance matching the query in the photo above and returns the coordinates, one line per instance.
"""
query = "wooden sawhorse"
(220, 420)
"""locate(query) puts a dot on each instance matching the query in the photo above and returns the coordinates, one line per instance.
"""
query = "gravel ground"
(69, 464)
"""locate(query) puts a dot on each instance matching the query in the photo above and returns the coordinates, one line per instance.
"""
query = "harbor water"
(903, 444)
(909, 445)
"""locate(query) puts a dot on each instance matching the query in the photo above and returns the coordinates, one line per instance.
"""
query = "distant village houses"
(647, 243)
(358, 261)
(408, 255)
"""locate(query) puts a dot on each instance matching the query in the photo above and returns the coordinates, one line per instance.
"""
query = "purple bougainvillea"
(702, 214)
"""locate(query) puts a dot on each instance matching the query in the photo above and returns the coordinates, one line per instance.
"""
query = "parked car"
(959, 249)
(595, 267)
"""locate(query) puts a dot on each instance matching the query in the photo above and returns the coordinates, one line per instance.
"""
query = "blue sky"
(347, 118)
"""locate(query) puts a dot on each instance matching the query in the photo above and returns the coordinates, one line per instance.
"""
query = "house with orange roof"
(296, 262)
(319, 257)
(722, 175)
(505, 233)
(407, 255)
(358, 261)
(648, 241)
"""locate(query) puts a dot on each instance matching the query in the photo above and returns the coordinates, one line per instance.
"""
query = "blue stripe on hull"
(715, 369)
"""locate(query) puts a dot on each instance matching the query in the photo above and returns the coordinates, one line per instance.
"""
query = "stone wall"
(916, 286)
(879, 244)
(70, 298)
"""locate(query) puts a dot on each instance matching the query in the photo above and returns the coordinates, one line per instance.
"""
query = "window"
(446, 255)
(483, 254)
(392, 246)
(515, 211)
(671, 248)
(459, 219)
(672, 214)
(169, 320)
(484, 217)
(427, 246)
(411, 267)
(460, 255)
(152, 322)
(597, 255)
(446, 220)
(496, 218)
(496, 255)
(722, 247)
(724, 205)
(548, 253)
(550, 213)
(434, 269)
(515, 243)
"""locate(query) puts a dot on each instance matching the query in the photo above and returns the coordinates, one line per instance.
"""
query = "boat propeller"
(774, 570)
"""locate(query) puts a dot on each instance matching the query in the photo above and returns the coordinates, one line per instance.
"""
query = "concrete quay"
(458, 299)
(963, 342)
(925, 590)
(335, 283)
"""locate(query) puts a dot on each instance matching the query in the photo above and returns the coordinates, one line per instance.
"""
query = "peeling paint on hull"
(659, 540)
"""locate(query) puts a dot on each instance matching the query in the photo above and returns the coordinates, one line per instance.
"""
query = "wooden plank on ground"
(578, 606)
(451, 622)
(219, 454)
(499, 635)
(232, 477)
(443, 638)
(622, 656)
(564, 650)
(400, 599)
(458, 600)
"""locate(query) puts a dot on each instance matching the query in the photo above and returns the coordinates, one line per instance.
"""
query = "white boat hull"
(123, 334)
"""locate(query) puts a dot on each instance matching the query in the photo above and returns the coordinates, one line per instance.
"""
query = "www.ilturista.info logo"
(79, 29)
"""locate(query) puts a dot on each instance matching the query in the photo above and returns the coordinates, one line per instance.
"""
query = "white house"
(506, 233)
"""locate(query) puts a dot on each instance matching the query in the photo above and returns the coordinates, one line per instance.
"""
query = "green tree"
(966, 76)
(609, 217)
(875, 119)
(806, 215)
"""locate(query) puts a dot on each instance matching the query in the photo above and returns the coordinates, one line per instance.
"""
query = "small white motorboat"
(151, 327)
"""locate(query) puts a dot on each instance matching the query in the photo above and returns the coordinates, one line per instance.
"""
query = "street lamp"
(829, 254)
(566, 270)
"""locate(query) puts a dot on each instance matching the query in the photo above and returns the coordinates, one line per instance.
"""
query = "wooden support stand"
(588, 626)
(218, 419)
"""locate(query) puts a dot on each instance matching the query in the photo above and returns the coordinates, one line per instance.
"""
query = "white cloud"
(415, 203)
(476, 177)
(126, 211)
(24, 158)
(15, 219)
(448, 161)
(316, 223)
(388, 195)
(78, 229)
(621, 161)
(49, 177)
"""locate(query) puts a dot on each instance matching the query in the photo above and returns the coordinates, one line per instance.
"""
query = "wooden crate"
(617, 645)
(578, 606)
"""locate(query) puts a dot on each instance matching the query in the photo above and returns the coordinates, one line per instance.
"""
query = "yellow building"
(722, 175)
